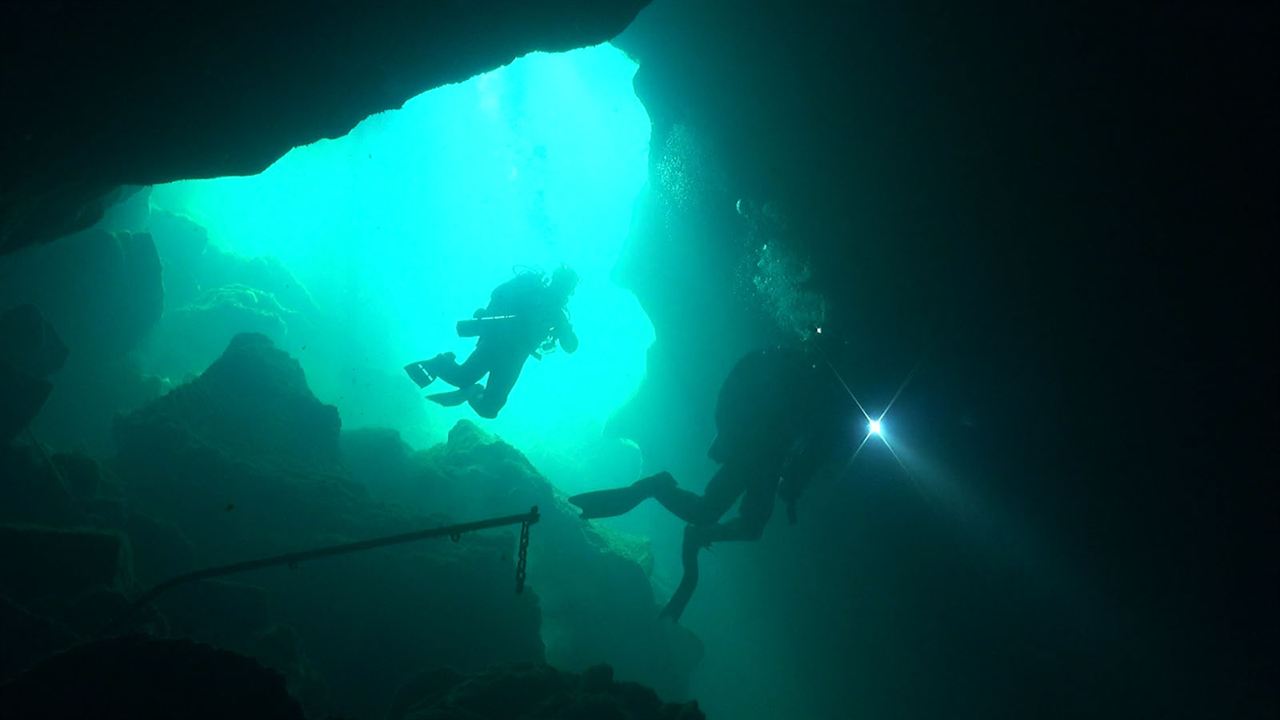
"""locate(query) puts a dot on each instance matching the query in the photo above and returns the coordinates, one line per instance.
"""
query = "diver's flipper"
(609, 503)
(424, 372)
(418, 373)
(456, 397)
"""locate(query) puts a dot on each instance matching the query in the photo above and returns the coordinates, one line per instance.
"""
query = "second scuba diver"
(526, 316)
(779, 419)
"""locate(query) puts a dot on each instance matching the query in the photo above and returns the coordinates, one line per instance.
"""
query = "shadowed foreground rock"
(533, 691)
(139, 678)
(245, 461)
(103, 293)
(30, 350)
(596, 600)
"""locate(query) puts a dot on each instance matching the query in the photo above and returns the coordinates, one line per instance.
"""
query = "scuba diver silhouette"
(779, 419)
(526, 316)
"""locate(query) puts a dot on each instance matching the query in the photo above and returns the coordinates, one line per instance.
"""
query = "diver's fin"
(456, 397)
(610, 503)
(417, 372)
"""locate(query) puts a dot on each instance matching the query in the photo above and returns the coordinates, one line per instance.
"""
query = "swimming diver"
(526, 316)
(778, 421)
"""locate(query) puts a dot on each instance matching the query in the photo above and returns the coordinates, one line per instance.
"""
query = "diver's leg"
(701, 512)
(689, 579)
(502, 378)
(469, 372)
(705, 509)
(753, 513)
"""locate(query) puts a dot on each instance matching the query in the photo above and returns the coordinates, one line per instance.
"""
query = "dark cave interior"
(1063, 216)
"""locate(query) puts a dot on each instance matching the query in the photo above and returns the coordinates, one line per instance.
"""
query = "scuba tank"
(475, 327)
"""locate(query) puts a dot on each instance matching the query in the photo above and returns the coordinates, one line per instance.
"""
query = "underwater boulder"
(192, 264)
(103, 293)
(40, 565)
(383, 464)
(279, 648)
(139, 678)
(212, 294)
(101, 290)
(243, 462)
(30, 351)
(189, 335)
(244, 459)
(24, 396)
(30, 491)
(27, 638)
(253, 403)
(596, 599)
(225, 613)
(533, 691)
(370, 621)
(159, 549)
(29, 343)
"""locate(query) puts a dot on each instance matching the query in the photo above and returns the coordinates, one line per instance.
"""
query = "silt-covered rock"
(244, 462)
(139, 678)
(596, 598)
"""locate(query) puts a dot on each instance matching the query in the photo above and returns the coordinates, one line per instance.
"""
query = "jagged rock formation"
(591, 581)
(212, 295)
(46, 566)
(142, 92)
(245, 461)
(27, 638)
(252, 402)
(533, 691)
(102, 292)
(66, 560)
(1059, 208)
(30, 351)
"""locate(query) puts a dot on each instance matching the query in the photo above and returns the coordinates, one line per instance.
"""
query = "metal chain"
(523, 557)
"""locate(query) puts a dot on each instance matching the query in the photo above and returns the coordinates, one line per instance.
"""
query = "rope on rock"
(455, 532)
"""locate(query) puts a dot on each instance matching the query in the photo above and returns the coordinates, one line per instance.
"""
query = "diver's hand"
(479, 313)
(568, 338)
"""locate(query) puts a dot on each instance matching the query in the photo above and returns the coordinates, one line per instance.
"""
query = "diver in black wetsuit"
(526, 315)
(779, 418)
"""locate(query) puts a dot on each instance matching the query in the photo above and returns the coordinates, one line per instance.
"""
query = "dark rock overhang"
(100, 95)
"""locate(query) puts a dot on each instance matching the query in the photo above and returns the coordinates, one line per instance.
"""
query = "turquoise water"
(404, 226)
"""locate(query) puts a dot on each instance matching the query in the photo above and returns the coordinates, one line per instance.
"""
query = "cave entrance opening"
(398, 229)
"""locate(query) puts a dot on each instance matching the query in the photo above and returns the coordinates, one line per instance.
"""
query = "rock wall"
(243, 461)
(534, 691)
(101, 292)
(140, 678)
(144, 92)
(1060, 215)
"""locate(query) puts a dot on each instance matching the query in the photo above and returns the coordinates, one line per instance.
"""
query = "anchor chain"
(292, 560)
(522, 558)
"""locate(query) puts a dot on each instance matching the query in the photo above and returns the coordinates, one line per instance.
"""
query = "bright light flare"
(874, 427)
